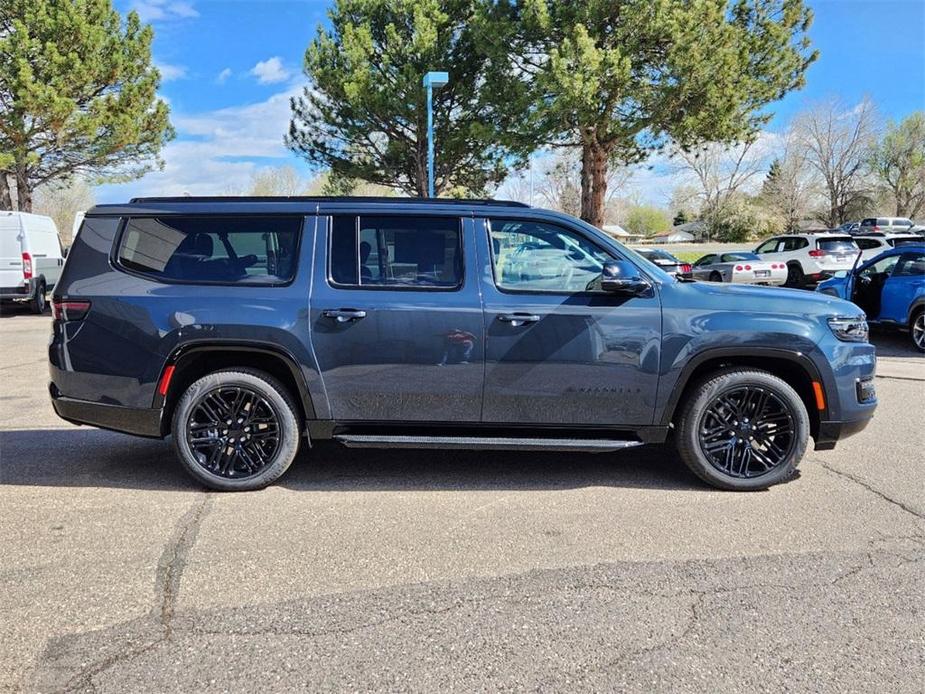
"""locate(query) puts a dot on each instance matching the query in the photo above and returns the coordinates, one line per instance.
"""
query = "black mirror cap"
(621, 277)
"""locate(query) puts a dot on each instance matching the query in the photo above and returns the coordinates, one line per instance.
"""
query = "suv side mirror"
(621, 277)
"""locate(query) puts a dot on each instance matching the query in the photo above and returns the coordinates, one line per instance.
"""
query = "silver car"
(739, 267)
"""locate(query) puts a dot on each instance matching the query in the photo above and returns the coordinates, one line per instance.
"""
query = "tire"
(37, 303)
(795, 276)
(255, 462)
(917, 330)
(716, 277)
(784, 427)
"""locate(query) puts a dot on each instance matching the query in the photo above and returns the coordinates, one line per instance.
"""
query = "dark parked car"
(247, 327)
(667, 262)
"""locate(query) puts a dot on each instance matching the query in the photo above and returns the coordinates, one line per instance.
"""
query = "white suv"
(884, 225)
(810, 258)
(872, 245)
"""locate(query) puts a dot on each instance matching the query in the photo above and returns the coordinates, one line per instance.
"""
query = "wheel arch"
(192, 361)
(794, 368)
(918, 304)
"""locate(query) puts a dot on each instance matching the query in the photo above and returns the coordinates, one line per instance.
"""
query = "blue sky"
(230, 66)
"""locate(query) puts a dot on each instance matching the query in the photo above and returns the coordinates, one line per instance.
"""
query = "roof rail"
(327, 198)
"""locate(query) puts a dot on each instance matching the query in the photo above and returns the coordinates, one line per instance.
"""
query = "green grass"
(686, 256)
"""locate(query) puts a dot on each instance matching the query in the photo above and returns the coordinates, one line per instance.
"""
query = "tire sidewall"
(38, 303)
(915, 317)
(284, 411)
(704, 394)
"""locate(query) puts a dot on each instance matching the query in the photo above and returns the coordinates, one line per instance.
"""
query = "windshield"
(733, 257)
(843, 244)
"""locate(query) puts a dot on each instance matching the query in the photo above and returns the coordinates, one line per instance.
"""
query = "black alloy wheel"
(747, 431)
(236, 429)
(233, 432)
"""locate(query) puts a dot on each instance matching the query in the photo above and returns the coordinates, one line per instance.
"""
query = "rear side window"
(795, 243)
(835, 245)
(396, 252)
(867, 244)
(212, 250)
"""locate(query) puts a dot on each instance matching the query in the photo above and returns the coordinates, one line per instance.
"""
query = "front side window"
(540, 257)
(867, 244)
(911, 265)
(884, 266)
(396, 252)
(212, 250)
(769, 246)
(705, 260)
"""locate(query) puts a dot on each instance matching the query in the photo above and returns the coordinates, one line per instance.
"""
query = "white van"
(31, 257)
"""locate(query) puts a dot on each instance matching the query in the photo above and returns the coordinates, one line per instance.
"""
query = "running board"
(494, 443)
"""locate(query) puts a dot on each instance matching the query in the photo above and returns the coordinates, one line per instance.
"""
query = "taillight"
(748, 267)
(69, 309)
(26, 266)
(816, 253)
(685, 268)
(738, 268)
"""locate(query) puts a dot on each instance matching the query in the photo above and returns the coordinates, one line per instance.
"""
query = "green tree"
(364, 114)
(645, 220)
(77, 96)
(618, 79)
(898, 160)
(680, 218)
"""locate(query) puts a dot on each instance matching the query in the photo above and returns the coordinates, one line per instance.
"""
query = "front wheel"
(917, 330)
(743, 430)
(236, 430)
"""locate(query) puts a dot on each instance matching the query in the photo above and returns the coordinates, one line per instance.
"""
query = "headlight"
(849, 328)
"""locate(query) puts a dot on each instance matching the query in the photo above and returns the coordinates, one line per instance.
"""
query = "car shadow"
(894, 343)
(94, 458)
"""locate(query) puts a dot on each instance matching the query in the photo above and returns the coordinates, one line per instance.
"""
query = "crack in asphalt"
(847, 475)
(166, 590)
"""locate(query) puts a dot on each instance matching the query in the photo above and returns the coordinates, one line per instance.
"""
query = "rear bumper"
(21, 291)
(128, 420)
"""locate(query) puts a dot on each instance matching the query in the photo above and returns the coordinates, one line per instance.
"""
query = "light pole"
(432, 80)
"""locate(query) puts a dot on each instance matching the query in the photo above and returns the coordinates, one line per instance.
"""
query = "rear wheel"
(37, 303)
(236, 430)
(917, 329)
(795, 276)
(716, 277)
(743, 429)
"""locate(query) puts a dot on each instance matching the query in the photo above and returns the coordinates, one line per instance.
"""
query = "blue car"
(890, 289)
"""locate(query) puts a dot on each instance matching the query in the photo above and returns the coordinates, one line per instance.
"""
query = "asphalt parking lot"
(455, 571)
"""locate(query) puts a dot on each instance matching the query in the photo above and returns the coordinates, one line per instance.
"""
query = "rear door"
(557, 352)
(396, 318)
(45, 247)
(10, 251)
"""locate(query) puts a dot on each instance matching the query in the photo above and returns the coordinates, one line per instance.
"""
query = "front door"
(396, 318)
(558, 352)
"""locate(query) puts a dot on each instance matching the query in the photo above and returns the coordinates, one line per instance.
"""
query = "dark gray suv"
(246, 327)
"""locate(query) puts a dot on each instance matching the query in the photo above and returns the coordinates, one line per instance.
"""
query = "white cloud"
(160, 10)
(169, 72)
(223, 75)
(270, 71)
(208, 158)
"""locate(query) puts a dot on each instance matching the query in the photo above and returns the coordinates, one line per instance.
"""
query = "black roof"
(328, 198)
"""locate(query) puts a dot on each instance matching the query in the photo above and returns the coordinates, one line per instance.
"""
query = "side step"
(484, 443)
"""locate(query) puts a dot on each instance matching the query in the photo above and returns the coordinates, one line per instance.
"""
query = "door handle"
(344, 315)
(518, 319)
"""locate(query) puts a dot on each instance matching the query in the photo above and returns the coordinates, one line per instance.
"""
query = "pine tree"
(78, 95)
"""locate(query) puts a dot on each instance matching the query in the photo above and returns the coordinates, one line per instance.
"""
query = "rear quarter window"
(212, 250)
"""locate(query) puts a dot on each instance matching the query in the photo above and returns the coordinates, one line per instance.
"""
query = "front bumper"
(831, 432)
(127, 420)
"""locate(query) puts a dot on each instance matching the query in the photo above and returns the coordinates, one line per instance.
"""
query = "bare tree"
(278, 181)
(559, 184)
(720, 173)
(62, 203)
(898, 161)
(837, 142)
(789, 188)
